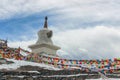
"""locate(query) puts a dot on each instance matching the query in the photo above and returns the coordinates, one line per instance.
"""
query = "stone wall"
(23, 73)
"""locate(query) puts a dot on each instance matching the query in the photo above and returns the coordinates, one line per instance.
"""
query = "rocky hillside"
(23, 70)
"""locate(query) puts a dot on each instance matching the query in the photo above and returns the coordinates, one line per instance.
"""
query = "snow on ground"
(33, 71)
(18, 63)
(67, 75)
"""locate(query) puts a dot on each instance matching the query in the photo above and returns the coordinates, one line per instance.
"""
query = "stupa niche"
(44, 42)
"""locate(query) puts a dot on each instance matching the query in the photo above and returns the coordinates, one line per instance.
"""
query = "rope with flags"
(106, 65)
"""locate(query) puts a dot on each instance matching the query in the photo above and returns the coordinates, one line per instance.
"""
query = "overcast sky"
(84, 29)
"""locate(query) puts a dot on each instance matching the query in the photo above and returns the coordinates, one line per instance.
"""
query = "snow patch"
(18, 63)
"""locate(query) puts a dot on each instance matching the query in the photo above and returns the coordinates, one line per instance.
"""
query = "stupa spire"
(45, 23)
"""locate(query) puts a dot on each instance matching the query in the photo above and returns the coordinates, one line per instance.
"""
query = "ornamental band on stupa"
(44, 43)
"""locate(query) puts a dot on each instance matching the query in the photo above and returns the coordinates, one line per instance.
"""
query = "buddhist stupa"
(44, 43)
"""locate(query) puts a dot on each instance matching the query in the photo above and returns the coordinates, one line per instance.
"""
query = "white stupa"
(44, 43)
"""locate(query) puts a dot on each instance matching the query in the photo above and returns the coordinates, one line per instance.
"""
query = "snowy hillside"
(13, 67)
(19, 63)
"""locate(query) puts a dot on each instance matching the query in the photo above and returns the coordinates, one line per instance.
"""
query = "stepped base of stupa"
(44, 48)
